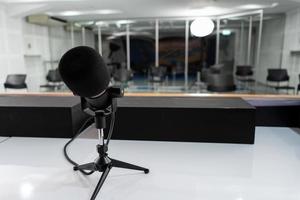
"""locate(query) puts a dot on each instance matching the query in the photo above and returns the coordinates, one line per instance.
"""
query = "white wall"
(11, 50)
(28, 48)
(47, 45)
(36, 52)
(271, 47)
(292, 42)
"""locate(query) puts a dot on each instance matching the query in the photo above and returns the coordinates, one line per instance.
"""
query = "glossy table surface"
(35, 169)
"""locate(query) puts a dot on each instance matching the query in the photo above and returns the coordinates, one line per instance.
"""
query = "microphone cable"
(86, 124)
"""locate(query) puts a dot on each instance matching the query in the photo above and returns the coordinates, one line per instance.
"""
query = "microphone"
(84, 72)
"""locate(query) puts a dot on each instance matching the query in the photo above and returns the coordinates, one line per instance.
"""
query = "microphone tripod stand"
(104, 163)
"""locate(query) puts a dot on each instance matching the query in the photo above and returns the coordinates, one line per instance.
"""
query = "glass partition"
(142, 54)
(239, 50)
(163, 55)
(201, 56)
(113, 36)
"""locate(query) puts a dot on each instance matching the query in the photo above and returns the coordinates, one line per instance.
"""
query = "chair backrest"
(158, 74)
(15, 79)
(244, 70)
(222, 68)
(220, 83)
(110, 69)
(160, 71)
(221, 80)
(216, 69)
(122, 75)
(277, 75)
(53, 76)
(228, 66)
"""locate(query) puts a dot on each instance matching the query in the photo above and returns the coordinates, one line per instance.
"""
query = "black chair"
(157, 74)
(122, 75)
(217, 69)
(244, 71)
(220, 83)
(244, 74)
(54, 80)
(54, 76)
(15, 81)
(204, 74)
(278, 76)
(223, 68)
(110, 69)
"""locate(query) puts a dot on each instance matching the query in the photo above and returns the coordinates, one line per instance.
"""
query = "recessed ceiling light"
(87, 23)
(106, 12)
(70, 13)
(125, 22)
(208, 11)
(101, 23)
(76, 24)
(258, 6)
(251, 6)
(86, 12)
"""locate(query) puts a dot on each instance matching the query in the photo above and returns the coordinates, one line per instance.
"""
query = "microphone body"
(84, 72)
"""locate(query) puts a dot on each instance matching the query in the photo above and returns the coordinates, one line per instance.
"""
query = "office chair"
(278, 76)
(15, 81)
(122, 76)
(157, 74)
(220, 83)
(244, 74)
(54, 80)
(244, 71)
(222, 69)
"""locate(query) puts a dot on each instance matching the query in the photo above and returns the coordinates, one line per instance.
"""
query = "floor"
(35, 169)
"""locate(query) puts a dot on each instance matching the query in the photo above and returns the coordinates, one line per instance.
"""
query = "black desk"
(193, 119)
(40, 116)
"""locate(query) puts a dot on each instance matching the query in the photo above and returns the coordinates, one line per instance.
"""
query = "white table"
(35, 169)
(3, 139)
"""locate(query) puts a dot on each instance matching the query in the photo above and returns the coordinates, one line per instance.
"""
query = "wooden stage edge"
(223, 95)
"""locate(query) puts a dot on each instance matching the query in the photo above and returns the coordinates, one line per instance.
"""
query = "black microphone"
(84, 72)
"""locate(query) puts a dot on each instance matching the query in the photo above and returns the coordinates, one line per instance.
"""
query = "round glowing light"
(202, 27)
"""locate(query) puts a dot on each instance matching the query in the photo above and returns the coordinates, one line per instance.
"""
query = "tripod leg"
(121, 164)
(88, 166)
(101, 181)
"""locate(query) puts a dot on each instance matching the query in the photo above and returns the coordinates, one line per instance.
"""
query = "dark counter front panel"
(277, 112)
(230, 120)
(33, 116)
(224, 120)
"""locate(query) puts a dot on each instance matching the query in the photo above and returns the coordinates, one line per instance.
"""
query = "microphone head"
(84, 71)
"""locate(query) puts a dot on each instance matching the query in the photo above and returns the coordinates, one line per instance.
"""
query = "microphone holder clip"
(104, 163)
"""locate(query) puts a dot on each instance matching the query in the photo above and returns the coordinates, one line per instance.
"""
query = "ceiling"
(82, 10)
